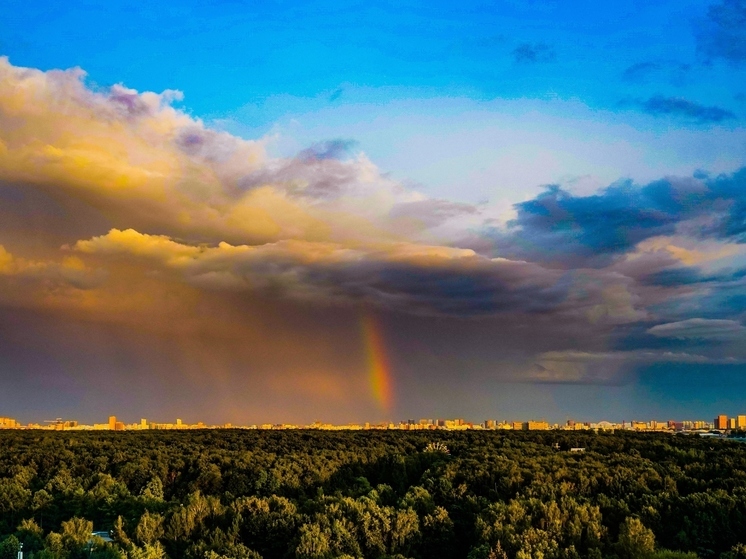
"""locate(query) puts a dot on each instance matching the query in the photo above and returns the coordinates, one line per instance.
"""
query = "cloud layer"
(146, 219)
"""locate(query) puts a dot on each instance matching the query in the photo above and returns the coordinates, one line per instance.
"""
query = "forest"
(241, 494)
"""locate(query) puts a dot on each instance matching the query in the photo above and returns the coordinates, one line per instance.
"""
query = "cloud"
(608, 367)
(723, 34)
(142, 163)
(399, 276)
(700, 328)
(560, 227)
(69, 272)
(532, 53)
(169, 226)
(557, 225)
(431, 212)
(644, 72)
(331, 149)
(678, 107)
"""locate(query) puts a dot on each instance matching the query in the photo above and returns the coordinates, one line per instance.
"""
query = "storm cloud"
(151, 225)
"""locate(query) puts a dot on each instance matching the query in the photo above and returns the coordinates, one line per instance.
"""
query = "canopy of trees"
(234, 494)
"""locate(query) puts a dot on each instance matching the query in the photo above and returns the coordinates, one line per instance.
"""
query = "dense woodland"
(373, 494)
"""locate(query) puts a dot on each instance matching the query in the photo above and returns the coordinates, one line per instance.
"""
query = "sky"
(261, 212)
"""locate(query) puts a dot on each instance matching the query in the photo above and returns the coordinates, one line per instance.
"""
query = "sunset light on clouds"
(511, 210)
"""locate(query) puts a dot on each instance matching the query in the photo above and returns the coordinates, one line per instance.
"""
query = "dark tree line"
(370, 494)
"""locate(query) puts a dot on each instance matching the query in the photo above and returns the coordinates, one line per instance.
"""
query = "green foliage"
(153, 490)
(635, 540)
(147, 551)
(378, 495)
(738, 551)
(9, 548)
(668, 554)
(150, 529)
(30, 535)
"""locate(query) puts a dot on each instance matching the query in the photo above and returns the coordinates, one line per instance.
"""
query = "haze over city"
(282, 213)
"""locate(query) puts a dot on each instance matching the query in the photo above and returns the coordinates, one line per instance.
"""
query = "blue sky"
(373, 71)
(576, 82)
(567, 161)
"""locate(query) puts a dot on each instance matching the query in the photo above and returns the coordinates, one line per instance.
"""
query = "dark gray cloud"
(487, 290)
(676, 106)
(472, 287)
(532, 53)
(560, 227)
(723, 34)
(728, 191)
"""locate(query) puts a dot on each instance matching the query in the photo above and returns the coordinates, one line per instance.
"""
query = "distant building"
(112, 422)
(721, 422)
(741, 422)
(103, 535)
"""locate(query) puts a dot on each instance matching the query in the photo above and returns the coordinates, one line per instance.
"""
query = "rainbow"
(379, 371)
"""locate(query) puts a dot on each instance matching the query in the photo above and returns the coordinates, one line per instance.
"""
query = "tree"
(635, 540)
(119, 535)
(313, 544)
(153, 490)
(147, 551)
(30, 535)
(76, 532)
(150, 528)
(9, 548)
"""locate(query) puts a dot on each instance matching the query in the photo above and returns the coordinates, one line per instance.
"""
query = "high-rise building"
(112, 422)
(741, 422)
(721, 422)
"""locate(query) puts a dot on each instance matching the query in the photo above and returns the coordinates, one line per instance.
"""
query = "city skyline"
(287, 211)
(722, 423)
